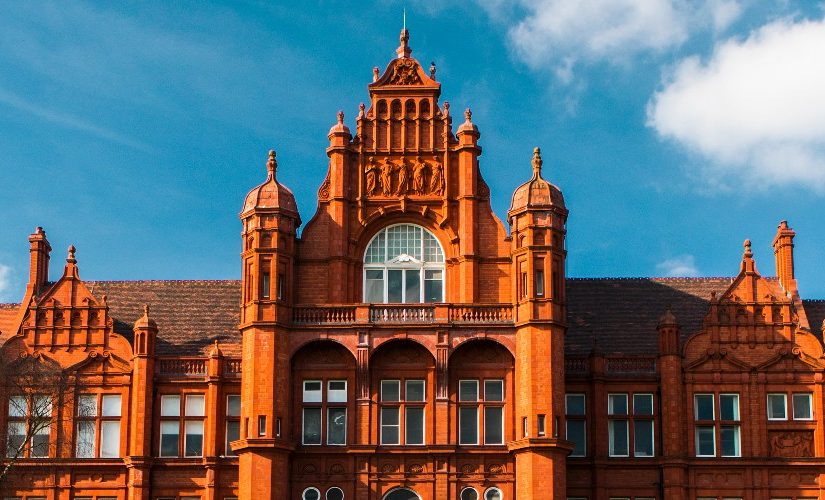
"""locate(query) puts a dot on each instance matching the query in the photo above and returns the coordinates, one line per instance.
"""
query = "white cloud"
(556, 34)
(5, 282)
(679, 266)
(755, 111)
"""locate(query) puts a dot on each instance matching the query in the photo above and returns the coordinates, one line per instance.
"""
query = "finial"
(405, 19)
(361, 109)
(446, 108)
(340, 117)
(468, 115)
(146, 310)
(404, 49)
(272, 163)
(71, 258)
(432, 70)
(39, 230)
(537, 162)
(375, 73)
(748, 254)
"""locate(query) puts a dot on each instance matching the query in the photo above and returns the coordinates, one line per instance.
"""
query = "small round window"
(469, 494)
(493, 494)
(404, 263)
(335, 493)
(311, 494)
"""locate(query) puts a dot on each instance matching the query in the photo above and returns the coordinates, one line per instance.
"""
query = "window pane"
(617, 434)
(575, 404)
(233, 405)
(40, 440)
(312, 391)
(729, 435)
(170, 406)
(394, 285)
(335, 494)
(703, 406)
(469, 494)
(412, 286)
(492, 494)
(414, 426)
(87, 405)
(42, 406)
(337, 391)
(468, 390)
(111, 405)
(311, 494)
(729, 406)
(375, 252)
(233, 433)
(336, 426)
(494, 390)
(18, 406)
(643, 438)
(390, 390)
(576, 434)
(194, 405)
(494, 425)
(110, 439)
(374, 289)
(414, 390)
(389, 426)
(15, 438)
(468, 425)
(433, 286)
(85, 440)
(312, 426)
(169, 435)
(643, 404)
(705, 441)
(776, 407)
(194, 438)
(802, 407)
(617, 404)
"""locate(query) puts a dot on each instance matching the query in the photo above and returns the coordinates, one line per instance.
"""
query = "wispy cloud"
(754, 112)
(5, 282)
(69, 121)
(679, 266)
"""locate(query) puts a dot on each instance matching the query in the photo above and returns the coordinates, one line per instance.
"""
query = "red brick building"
(411, 345)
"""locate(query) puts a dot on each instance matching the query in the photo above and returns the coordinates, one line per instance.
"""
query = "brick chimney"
(39, 249)
(783, 251)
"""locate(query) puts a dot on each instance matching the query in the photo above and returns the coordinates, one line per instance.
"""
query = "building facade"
(410, 345)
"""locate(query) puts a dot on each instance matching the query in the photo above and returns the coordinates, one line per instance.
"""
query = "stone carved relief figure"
(791, 444)
(437, 180)
(403, 178)
(420, 175)
(372, 177)
(386, 177)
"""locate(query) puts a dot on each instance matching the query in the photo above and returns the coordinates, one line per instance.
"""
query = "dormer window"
(404, 263)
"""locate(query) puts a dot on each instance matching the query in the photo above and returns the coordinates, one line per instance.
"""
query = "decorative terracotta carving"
(791, 444)
(405, 72)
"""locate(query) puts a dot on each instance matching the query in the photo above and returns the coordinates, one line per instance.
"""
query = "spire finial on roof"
(340, 117)
(537, 162)
(404, 49)
(146, 310)
(71, 259)
(361, 109)
(748, 254)
(432, 70)
(468, 114)
(272, 163)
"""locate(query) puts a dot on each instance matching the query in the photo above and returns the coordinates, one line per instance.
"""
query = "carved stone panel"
(791, 444)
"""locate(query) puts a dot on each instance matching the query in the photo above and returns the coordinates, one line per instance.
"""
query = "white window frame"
(810, 397)
(320, 391)
(774, 395)
(346, 416)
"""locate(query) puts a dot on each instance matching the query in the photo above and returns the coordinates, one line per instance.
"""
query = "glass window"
(337, 391)
(643, 404)
(802, 407)
(618, 437)
(729, 406)
(390, 390)
(194, 438)
(312, 391)
(469, 494)
(777, 407)
(493, 425)
(396, 262)
(643, 438)
(337, 426)
(312, 426)
(170, 406)
(468, 425)
(468, 390)
(705, 441)
(575, 404)
(194, 405)
(390, 426)
(233, 421)
(414, 390)
(414, 425)
(730, 440)
(708, 427)
(617, 404)
(335, 493)
(576, 432)
(311, 494)
(703, 406)
(492, 494)
(169, 438)
(493, 390)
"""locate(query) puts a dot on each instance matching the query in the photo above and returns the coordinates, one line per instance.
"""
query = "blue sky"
(675, 129)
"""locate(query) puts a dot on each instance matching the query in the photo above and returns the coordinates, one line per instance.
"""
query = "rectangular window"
(412, 286)
(29, 415)
(169, 438)
(337, 391)
(576, 433)
(617, 404)
(433, 285)
(624, 419)
(705, 441)
(414, 425)
(281, 286)
(390, 426)
(414, 390)
(193, 438)
(374, 286)
(643, 438)
(312, 426)
(233, 421)
(265, 285)
(395, 286)
(540, 424)
(539, 282)
(312, 391)
(337, 426)
(261, 425)
(181, 414)
(729, 407)
(708, 426)
(493, 390)
(523, 287)
(468, 425)
(777, 407)
(468, 390)
(493, 425)
(617, 437)
(729, 435)
(703, 407)
(802, 406)
(390, 390)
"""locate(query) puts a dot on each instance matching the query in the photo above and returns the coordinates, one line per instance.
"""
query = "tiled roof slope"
(623, 312)
(815, 309)
(190, 314)
(8, 312)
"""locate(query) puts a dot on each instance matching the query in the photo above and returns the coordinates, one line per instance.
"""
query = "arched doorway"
(402, 494)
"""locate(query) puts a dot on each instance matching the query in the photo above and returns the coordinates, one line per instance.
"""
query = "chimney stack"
(39, 249)
(783, 251)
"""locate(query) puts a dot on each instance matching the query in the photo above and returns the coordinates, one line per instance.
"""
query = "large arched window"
(404, 264)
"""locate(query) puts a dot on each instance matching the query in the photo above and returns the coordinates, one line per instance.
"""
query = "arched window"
(469, 494)
(311, 494)
(402, 494)
(335, 493)
(493, 494)
(404, 264)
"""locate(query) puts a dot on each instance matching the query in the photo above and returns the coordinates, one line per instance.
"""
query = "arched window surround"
(403, 263)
